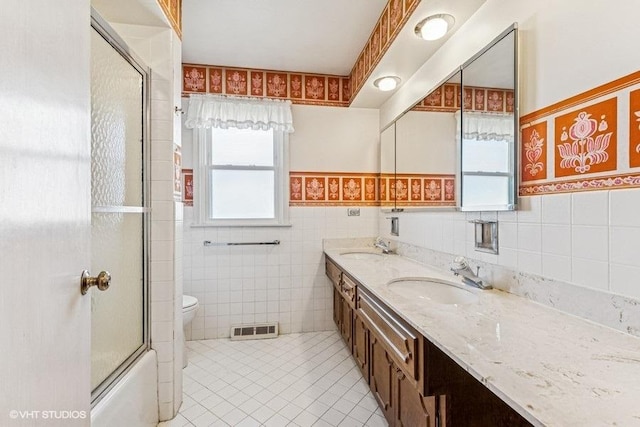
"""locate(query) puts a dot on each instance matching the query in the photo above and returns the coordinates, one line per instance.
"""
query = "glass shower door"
(118, 214)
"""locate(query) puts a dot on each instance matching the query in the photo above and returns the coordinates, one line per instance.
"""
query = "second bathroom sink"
(431, 289)
(363, 256)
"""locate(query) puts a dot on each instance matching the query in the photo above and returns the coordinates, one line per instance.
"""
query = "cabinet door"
(413, 409)
(400, 339)
(347, 323)
(333, 272)
(361, 345)
(382, 373)
(337, 308)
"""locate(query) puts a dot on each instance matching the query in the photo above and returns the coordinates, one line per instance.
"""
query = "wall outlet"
(353, 211)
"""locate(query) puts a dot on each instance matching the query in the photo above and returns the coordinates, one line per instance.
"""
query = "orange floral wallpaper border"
(534, 146)
(446, 98)
(587, 184)
(634, 128)
(590, 141)
(173, 11)
(370, 189)
(393, 18)
(299, 88)
(417, 190)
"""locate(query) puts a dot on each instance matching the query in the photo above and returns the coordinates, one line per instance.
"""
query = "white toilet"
(189, 309)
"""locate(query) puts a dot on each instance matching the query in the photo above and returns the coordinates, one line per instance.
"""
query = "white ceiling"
(138, 12)
(314, 36)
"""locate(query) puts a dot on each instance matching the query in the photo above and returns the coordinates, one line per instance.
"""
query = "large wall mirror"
(388, 167)
(456, 148)
(418, 153)
(489, 125)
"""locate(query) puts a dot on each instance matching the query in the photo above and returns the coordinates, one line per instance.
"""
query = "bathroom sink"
(363, 256)
(434, 290)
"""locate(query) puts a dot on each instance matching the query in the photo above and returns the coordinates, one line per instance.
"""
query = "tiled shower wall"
(285, 283)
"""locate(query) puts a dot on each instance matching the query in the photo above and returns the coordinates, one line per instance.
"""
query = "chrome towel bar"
(210, 243)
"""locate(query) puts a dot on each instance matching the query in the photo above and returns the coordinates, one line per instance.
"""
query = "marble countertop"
(553, 368)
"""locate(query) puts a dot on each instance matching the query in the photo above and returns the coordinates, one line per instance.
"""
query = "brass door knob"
(102, 281)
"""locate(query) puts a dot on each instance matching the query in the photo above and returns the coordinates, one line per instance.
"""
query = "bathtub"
(134, 400)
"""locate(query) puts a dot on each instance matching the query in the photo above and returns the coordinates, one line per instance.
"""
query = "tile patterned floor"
(300, 380)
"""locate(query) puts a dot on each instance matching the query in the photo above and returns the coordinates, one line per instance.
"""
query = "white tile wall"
(556, 239)
(589, 239)
(556, 266)
(529, 237)
(530, 262)
(623, 208)
(625, 245)
(590, 208)
(253, 284)
(556, 209)
(590, 242)
(590, 273)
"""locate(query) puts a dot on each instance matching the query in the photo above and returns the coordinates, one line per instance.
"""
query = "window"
(241, 177)
(487, 159)
(485, 172)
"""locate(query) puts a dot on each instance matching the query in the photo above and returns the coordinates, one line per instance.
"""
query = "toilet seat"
(188, 302)
(189, 308)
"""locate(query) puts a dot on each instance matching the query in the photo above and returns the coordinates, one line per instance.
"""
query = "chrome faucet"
(383, 246)
(460, 267)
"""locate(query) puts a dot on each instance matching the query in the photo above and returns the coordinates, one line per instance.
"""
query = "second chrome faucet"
(460, 267)
(383, 246)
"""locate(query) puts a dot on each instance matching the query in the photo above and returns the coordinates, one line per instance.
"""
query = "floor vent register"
(254, 332)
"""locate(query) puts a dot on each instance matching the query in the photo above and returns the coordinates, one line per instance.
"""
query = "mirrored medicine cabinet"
(457, 147)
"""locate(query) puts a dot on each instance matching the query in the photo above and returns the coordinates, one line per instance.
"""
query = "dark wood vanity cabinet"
(335, 275)
(465, 400)
(381, 379)
(348, 294)
(344, 295)
(337, 308)
(413, 409)
(361, 344)
(414, 382)
(396, 368)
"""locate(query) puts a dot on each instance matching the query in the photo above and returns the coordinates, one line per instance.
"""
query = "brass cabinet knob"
(102, 281)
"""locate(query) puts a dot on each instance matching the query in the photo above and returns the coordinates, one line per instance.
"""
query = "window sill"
(238, 225)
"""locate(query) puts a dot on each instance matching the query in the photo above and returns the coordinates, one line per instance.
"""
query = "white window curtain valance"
(206, 111)
(486, 126)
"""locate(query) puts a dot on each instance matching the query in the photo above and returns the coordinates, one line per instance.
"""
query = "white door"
(45, 210)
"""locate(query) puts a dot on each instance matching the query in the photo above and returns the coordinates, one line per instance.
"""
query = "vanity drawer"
(333, 272)
(349, 290)
(401, 340)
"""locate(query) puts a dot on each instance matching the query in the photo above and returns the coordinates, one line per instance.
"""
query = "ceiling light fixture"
(435, 26)
(387, 83)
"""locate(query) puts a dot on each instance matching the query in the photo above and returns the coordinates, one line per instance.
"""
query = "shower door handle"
(102, 281)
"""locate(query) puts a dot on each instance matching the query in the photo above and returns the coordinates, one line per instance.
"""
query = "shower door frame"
(110, 36)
